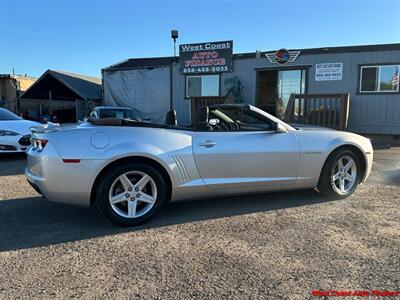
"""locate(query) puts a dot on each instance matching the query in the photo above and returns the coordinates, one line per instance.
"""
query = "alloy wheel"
(344, 175)
(133, 194)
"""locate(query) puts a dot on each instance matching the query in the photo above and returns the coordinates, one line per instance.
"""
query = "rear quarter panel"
(170, 148)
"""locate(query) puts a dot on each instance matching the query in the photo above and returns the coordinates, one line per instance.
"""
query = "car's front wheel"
(340, 175)
(131, 193)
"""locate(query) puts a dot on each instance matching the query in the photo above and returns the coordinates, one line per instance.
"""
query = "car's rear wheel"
(130, 194)
(340, 175)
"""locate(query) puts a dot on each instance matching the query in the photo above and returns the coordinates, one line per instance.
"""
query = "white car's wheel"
(131, 194)
(340, 175)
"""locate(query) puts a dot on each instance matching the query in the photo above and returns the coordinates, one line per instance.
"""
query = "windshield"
(121, 114)
(6, 115)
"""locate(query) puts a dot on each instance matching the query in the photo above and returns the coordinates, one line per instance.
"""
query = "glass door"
(289, 82)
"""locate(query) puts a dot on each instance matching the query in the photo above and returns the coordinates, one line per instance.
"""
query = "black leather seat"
(203, 119)
(170, 119)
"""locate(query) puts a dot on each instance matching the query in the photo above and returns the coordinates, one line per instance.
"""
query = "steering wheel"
(220, 127)
(232, 126)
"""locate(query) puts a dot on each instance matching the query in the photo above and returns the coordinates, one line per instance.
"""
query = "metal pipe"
(171, 85)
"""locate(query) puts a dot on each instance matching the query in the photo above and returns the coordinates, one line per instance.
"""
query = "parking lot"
(279, 245)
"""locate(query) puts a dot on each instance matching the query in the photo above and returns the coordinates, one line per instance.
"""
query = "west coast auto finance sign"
(328, 71)
(212, 57)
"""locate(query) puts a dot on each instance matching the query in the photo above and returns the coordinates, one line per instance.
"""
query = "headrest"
(203, 114)
(170, 119)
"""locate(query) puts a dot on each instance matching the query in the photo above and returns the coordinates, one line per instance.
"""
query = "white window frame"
(189, 76)
(379, 78)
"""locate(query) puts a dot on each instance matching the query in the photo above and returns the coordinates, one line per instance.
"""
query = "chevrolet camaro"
(129, 169)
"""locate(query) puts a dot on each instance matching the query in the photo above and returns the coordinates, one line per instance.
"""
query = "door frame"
(306, 68)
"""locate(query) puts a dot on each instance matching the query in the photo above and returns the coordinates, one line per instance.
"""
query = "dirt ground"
(270, 246)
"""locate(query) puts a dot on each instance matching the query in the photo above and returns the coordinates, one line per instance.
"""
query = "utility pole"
(174, 36)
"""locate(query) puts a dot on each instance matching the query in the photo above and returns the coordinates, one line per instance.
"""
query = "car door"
(250, 159)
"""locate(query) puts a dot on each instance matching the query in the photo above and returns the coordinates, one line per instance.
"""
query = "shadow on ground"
(12, 164)
(35, 222)
(393, 177)
(381, 146)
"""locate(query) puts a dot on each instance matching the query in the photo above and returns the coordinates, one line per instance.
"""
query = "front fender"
(361, 143)
(316, 146)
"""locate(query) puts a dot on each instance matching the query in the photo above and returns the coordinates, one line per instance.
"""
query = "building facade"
(11, 87)
(369, 74)
(68, 96)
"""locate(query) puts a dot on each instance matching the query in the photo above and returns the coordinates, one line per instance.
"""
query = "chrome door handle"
(207, 144)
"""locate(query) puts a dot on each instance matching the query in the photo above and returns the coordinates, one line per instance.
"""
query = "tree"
(234, 89)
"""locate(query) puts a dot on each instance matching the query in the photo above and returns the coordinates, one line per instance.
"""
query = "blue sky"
(83, 36)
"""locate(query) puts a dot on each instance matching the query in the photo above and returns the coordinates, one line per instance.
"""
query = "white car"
(15, 132)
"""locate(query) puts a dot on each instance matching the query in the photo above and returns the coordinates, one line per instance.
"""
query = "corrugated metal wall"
(181, 105)
(374, 114)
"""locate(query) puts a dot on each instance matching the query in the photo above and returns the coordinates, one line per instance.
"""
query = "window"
(379, 78)
(233, 119)
(132, 114)
(202, 86)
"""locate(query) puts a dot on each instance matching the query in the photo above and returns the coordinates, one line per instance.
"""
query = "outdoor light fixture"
(174, 36)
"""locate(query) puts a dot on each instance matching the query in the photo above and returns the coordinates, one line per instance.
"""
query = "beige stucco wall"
(9, 87)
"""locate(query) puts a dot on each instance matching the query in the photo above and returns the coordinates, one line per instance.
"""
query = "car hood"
(20, 126)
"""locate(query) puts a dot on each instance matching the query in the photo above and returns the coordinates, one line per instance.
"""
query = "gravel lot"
(279, 245)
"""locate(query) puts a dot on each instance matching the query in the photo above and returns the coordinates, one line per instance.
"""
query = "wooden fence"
(325, 110)
(198, 102)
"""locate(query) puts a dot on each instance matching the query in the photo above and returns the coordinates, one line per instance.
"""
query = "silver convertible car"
(129, 169)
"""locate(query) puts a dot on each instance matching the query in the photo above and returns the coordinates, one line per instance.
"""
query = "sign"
(328, 71)
(282, 56)
(211, 57)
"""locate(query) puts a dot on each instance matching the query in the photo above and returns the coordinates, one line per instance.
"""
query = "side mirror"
(279, 128)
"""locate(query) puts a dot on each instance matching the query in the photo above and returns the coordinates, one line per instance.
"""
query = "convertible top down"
(129, 169)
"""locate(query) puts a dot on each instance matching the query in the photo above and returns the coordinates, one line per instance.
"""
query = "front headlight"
(8, 133)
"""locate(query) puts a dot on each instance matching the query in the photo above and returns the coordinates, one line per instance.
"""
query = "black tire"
(326, 182)
(104, 186)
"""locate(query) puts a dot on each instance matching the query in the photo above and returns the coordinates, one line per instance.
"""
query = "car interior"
(230, 118)
(214, 118)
